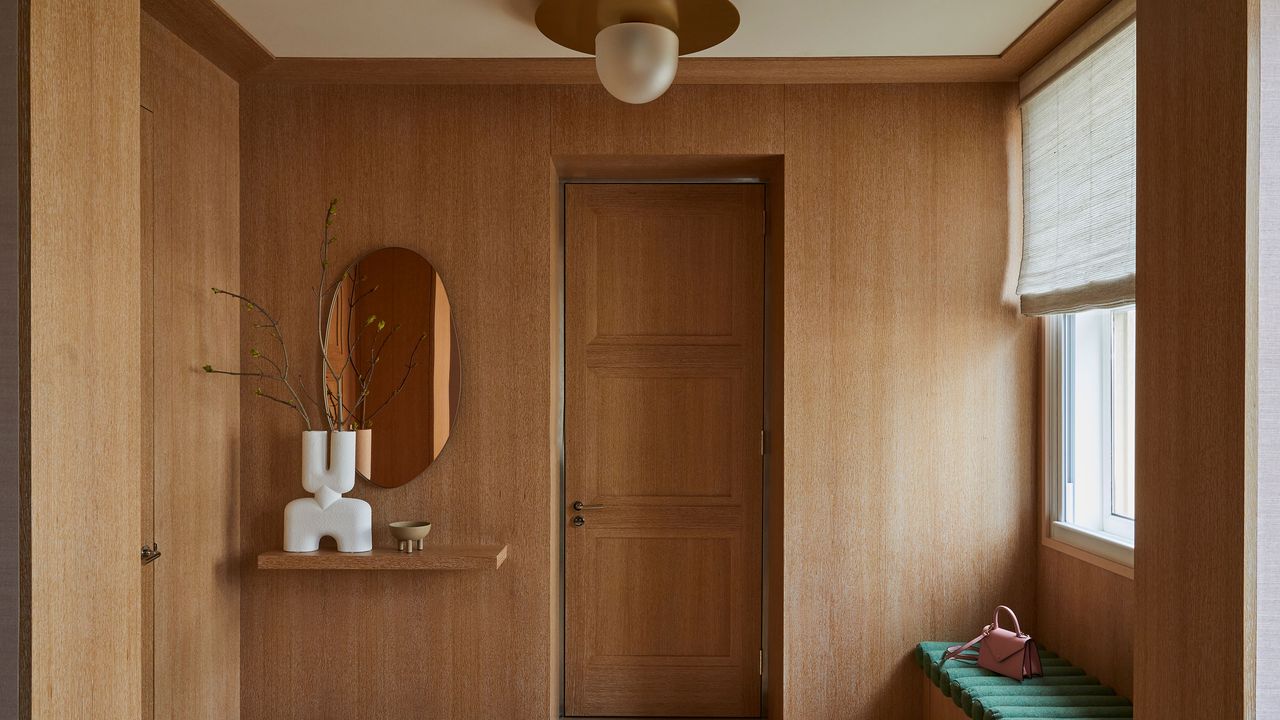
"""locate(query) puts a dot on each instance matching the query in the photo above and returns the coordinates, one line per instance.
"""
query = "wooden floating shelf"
(432, 557)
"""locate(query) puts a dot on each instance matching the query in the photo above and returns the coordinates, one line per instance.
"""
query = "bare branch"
(274, 328)
(320, 293)
(408, 369)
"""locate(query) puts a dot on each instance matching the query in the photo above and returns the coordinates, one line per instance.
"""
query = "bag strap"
(958, 652)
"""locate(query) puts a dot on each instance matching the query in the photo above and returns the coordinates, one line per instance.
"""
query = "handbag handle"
(995, 621)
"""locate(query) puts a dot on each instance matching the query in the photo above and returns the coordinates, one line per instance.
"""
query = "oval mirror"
(393, 367)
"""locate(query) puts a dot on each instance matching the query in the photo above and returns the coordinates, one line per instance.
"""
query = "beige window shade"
(1079, 134)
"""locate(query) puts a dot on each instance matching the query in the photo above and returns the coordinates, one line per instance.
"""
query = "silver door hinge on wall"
(761, 668)
(764, 442)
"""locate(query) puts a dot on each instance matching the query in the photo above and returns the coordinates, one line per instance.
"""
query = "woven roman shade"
(1079, 145)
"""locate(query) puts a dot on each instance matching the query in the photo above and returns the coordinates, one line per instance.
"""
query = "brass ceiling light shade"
(637, 42)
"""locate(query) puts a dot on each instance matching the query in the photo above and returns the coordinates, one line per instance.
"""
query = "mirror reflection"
(393, 368)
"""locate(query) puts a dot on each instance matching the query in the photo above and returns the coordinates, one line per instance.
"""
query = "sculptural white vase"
(328, 470)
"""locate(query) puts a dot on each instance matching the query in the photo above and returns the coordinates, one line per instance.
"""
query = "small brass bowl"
(410, 533)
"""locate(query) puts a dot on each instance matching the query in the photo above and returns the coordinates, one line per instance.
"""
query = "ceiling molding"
(207, 28)
(1098, 29)
(1054, 26)
(213, 33)
(582, 71)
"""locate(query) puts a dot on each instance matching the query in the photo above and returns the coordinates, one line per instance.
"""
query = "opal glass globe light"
(637, 61)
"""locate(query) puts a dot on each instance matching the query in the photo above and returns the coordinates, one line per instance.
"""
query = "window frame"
(1110, 552)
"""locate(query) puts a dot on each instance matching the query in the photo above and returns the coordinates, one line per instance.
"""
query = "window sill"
(1105, 551)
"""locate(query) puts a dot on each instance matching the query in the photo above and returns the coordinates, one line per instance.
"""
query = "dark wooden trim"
(205, 26)
(581, 71)
(1054, 26)
(15, 446)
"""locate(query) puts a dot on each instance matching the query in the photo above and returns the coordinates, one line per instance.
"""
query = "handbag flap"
(1003, 644)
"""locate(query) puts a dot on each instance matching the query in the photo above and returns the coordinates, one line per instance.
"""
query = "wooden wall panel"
(460, 176)
(910, 381)
(146, 396)
(1087, 615)
(195, 224)
(910, 377)
(936, 705)
(83, 359)
(1197, 296)
(687, 120)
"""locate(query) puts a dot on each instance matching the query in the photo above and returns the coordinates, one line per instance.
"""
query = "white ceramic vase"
(328, 470)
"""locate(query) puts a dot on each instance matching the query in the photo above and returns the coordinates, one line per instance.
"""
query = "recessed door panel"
(664, 391)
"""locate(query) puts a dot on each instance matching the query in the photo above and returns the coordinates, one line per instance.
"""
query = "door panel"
(146, 472)
(664, 390)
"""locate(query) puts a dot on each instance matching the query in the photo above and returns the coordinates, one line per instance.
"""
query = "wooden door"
(664, 404)
(146, 471)
(189, 421)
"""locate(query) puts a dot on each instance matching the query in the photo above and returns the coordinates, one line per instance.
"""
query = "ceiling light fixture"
(637, 43)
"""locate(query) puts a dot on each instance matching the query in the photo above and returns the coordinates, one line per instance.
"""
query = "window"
(1090, 405)
(1079, 138)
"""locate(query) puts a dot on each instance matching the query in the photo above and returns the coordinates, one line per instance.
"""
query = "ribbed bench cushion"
(1065, 691)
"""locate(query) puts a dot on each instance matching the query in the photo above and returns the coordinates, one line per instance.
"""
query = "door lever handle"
(579, 507)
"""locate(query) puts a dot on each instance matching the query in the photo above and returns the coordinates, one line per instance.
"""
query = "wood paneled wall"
(910, 379)
(1086, 614)
(83, 314)
(1197, 300)
(910, 384)
(194, 222)
(461, 176)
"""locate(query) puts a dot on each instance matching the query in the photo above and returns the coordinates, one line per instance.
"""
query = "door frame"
(770, 180)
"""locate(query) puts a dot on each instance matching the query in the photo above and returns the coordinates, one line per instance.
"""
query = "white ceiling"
(504, 28)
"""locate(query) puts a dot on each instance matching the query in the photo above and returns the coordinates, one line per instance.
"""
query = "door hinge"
(764, 442)
(761, 667)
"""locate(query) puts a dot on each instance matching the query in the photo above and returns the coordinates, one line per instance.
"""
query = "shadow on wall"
(523, 9)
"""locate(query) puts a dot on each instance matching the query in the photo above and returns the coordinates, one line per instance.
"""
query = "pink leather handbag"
(1010, 653)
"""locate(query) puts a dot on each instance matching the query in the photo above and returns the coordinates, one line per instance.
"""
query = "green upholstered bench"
(1065, 691)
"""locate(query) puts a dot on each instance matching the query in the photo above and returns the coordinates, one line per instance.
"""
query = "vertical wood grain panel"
(195, 202)
(556, 509)
(146, 390)
(936, 705)
(910, 390)
(85, 373)
(1087, 614)
(687, 120)
(460, 176)
(1197, 294)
